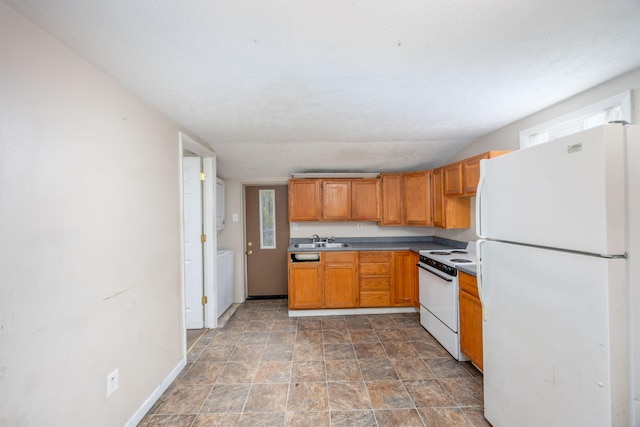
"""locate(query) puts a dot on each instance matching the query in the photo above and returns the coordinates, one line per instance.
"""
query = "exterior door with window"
(267, 240)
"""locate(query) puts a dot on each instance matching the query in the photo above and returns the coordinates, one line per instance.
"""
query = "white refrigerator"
(557, 225)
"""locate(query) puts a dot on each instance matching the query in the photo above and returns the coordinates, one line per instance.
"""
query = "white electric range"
(438, 281)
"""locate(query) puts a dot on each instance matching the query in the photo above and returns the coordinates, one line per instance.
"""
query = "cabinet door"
(304, 200)
(471, 170)
(336, 200)
(472, 173)
(449, 212)
(340, 279)
(405, 277)
(438, 199)
(471, 328)
(305, 285)
(366, 200)
(417, 198)
(470, 319)
(392, 199)
(453, 183)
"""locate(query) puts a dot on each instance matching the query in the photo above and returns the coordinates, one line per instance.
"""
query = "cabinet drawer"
(375, 283)
(468, 284)
(375, 256)
(375, 269)
(340, 257)
(375, 299)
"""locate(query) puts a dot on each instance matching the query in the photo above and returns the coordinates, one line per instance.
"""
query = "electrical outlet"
(359, 227)
(295, 226)
(112, 382)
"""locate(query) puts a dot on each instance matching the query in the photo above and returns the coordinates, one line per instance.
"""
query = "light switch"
(234, 217)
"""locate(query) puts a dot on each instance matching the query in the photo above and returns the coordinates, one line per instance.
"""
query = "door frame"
(252, 183)
(209, 249)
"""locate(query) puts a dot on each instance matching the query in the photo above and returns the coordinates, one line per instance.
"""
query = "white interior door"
(193, 267)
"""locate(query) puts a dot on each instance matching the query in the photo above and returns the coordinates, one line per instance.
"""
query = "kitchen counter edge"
(414, 244)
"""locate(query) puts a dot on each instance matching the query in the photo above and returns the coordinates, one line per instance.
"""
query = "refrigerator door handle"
(483, 304)
(479, 201)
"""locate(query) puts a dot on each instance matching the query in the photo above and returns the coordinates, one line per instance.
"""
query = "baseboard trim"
(350, 311)
(148, 403)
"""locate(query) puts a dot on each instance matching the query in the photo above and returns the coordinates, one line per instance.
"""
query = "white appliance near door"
(225, 281)
(554, 271)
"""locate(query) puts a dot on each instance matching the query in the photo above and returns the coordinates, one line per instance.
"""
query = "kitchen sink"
(335, 245)
(308, 245)
(317, 245)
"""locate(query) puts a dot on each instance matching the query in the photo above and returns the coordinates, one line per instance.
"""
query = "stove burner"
(440, 253)
(459, 252)
(460, 260)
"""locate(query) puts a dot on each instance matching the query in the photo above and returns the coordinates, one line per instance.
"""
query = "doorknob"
(249, 252)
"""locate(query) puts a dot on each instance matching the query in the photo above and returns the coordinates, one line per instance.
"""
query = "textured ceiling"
(285, 86)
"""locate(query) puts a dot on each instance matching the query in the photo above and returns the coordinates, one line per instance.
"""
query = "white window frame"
(615, 108)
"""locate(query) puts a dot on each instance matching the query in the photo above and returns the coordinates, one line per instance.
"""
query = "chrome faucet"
(315, 238)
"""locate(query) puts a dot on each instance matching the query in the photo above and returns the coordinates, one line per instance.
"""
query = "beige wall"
(90, 275)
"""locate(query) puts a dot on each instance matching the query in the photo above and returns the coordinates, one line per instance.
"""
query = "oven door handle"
(435, 274)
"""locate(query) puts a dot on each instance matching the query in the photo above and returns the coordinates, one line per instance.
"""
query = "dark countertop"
(414, 244)
(469, 269)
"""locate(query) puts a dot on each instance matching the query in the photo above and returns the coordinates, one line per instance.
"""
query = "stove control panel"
(451, 271)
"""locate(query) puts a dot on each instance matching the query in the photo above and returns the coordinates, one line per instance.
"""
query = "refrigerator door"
(566, 194)
(633, 215)
(555, 342)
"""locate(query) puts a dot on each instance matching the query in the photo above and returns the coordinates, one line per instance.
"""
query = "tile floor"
(266, 369)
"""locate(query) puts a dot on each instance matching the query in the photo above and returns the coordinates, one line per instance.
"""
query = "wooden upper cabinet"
(453, 179)
(449, 211)
(472, 173)
(336, 200)
(471, 170)
(417, 205)
(304, 200)
(438, 198)
(392, 199)
(366, 200)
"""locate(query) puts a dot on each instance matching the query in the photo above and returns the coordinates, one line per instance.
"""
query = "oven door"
(439, 295)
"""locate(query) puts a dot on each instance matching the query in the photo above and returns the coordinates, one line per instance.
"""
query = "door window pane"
(267, 219)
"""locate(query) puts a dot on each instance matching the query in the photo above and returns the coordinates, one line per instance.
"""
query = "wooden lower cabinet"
(305, 285)
(340, 279)
(355, 279)
(470, 319)
(405, 278)
(375, 278)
